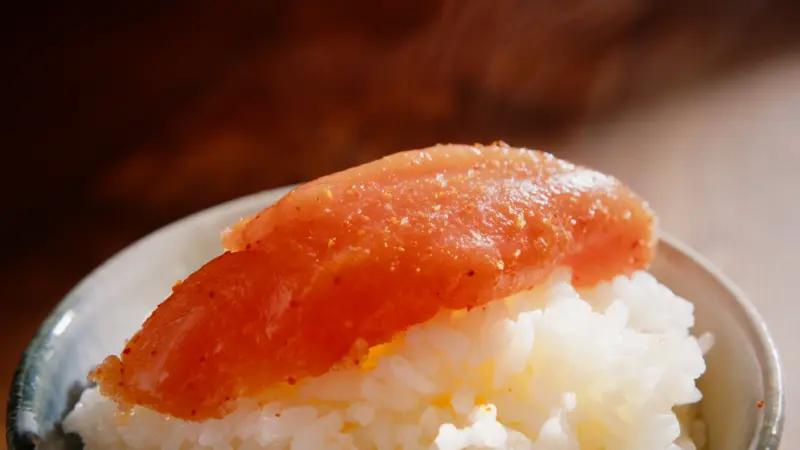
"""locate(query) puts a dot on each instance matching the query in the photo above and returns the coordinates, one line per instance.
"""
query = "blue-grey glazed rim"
(23, 430)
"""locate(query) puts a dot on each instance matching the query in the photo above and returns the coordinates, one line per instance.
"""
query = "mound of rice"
(613, 367)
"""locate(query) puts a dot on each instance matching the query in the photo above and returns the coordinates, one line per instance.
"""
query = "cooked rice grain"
(551, 368)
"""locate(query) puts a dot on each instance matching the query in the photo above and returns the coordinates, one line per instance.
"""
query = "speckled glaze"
(347, 261)
(111, 303)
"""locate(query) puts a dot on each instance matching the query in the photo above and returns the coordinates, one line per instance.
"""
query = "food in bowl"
(454, 297)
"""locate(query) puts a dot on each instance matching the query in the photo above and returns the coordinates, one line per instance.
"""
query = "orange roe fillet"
(349, 260)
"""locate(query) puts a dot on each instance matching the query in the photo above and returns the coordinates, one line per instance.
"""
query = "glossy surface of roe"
(345, 262)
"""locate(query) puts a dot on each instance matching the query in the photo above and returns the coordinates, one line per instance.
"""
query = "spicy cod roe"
(345, 262)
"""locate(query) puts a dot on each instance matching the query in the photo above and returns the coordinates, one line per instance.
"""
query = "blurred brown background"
(121, 117)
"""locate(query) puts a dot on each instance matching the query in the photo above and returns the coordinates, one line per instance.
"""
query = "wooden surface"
(125, 117)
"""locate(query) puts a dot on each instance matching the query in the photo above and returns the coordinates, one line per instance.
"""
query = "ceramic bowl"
(743, 405)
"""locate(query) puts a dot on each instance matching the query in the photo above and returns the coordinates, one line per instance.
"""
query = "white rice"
(608, 368)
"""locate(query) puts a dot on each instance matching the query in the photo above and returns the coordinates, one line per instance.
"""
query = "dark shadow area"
(57, 439)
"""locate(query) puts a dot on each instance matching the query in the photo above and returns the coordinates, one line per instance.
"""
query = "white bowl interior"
(737, 387)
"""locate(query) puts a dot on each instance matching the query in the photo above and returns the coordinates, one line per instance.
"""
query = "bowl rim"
(20, 420)
(769, 434)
